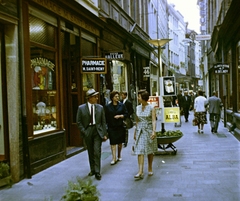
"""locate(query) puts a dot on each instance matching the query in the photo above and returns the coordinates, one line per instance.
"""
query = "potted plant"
(168, 137)
(81, 190)
(5, 177)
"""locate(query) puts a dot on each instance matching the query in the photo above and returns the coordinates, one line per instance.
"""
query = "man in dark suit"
(215, 105)
(186, 104)
(92, 125)
(130, 110)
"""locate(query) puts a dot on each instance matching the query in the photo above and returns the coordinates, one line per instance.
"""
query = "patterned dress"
(144, 144)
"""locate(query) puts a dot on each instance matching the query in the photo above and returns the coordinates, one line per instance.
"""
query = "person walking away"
(115, 113)
(200, 111)
(130, 110)
(145, 134)
(179, 100)
(186, 104)
(215, 106)
(92, 125)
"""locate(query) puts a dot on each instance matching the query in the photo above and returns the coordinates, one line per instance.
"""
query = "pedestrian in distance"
(92, 125)
(130, 110)
(179, 101)
(215, 105)
(200, 111)
(115, 113)
(145, 134)
(186, 105)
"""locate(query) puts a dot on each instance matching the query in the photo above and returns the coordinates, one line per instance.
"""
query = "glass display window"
(43, 75)
(118, 74)
(44, 93)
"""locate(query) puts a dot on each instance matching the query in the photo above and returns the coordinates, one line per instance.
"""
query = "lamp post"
(159, 43)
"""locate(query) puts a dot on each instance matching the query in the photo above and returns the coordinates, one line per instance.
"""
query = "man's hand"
(104, 138)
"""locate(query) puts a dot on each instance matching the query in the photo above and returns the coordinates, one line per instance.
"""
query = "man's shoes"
(125, 144)
(212, 130)
(186, 120)
(91, 173)
(98, 176)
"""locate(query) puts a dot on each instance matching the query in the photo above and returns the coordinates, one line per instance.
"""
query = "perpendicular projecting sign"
(146, 71)
(221, 68)
(167, 86)
(94, 65)
(171, 115)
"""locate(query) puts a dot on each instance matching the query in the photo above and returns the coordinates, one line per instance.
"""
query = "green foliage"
(4, 170)
(81, 190)
(176, 133)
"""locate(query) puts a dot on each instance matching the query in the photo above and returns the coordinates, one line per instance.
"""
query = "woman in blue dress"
(145, 134)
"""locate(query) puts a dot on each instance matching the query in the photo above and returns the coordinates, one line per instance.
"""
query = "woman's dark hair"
(145, 95)
(200, 93)
(113, 93)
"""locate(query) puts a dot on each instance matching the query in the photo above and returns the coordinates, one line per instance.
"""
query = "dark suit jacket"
(129, 107)
(186, 103)
(111, 111)
(83, 120)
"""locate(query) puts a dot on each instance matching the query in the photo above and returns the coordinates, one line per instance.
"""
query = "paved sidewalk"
(205, 168)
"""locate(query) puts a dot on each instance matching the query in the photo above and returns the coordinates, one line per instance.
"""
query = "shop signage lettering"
(114, 55)
(221, 68)
(97, 66)
(154, 101)
(171, 115)
(146, 71)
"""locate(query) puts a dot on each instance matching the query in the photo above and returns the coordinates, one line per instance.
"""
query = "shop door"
(71, 90)
(4, 154)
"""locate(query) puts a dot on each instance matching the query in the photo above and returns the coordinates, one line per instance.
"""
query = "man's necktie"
(91, 115)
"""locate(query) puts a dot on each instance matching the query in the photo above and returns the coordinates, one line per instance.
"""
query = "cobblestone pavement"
(206, 167)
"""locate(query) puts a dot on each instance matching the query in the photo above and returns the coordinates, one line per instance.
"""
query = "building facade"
(225, 28)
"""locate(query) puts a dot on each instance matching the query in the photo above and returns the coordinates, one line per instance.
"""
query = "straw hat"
(91, 92)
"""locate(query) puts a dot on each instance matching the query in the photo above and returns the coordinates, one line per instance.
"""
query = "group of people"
(200, 105)
(97, 124)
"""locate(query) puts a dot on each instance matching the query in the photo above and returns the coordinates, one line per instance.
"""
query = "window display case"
(44, 95)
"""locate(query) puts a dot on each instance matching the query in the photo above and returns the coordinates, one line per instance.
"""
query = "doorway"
(4, 153)
(71, 89)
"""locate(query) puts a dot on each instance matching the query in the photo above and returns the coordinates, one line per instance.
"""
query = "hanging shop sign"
(171, 115)
(114, 55)
(154, 101)
(146, 71)
(93, 65)
(167, 86)
(221, 68)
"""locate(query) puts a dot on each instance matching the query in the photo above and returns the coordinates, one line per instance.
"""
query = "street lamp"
(159, 43)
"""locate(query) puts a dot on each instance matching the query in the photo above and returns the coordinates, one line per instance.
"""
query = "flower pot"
(5, 181)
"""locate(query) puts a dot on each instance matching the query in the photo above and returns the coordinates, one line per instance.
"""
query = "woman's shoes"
(113, 162)
(150, 173)
(138, 176)
(119, 159)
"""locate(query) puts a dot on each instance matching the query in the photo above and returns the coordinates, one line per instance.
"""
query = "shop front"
(57, 35)
(115, 46)
(10, 101)
(226, 47)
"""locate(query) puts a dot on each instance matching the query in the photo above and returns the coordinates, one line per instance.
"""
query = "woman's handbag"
(128, 123)
(195, 122)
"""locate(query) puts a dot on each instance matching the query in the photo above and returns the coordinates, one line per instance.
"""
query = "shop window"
(88, 49)
(43, 76)
(118, 71)
(44, 91)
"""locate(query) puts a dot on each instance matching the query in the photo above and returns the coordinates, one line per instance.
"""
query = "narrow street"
(205, 168)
